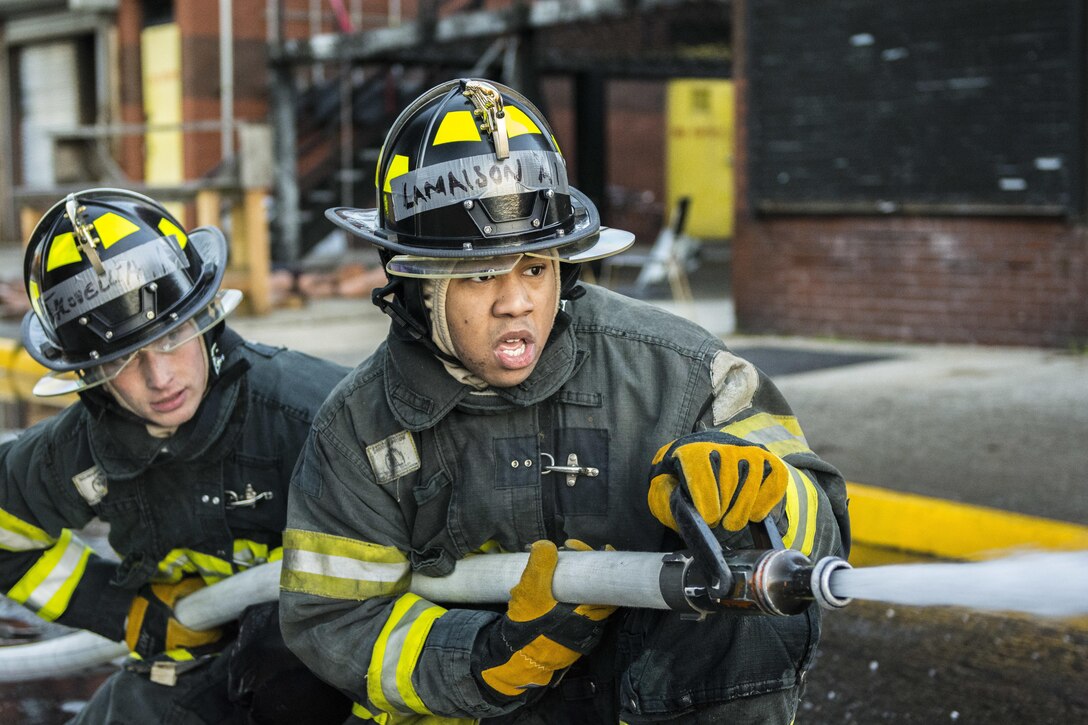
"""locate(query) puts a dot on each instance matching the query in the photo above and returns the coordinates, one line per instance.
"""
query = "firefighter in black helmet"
(182, 441)
(513, 408)
(467, 175)
(110, 272)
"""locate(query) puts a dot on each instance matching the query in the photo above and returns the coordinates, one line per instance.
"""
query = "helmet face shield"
(62, 383)
(404, 265)
(585, 250)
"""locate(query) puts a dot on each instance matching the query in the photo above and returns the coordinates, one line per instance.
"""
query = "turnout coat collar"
(123, 449)
(420, 392)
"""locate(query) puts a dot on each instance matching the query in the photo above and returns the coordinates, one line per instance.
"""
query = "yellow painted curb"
(937, 528)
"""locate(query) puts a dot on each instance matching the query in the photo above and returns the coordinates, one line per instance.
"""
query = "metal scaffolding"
(648, 39)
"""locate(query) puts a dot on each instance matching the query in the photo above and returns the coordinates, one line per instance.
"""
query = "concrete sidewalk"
(1000, 427)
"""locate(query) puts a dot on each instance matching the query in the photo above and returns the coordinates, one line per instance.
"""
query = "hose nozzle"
(821, 582)
(779, 582)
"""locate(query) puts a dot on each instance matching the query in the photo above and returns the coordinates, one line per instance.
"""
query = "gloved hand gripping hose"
(538, 636)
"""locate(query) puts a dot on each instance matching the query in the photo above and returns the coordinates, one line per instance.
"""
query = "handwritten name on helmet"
(476, 177)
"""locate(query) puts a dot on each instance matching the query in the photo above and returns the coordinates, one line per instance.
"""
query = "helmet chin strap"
(569, 274)
(387, 299)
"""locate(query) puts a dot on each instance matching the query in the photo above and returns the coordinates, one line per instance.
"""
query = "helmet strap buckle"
(380, 296)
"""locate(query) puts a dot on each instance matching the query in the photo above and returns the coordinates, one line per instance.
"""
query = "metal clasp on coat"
(248, 499)
(572, 469)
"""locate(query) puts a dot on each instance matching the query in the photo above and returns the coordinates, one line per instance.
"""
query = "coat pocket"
(432, 546)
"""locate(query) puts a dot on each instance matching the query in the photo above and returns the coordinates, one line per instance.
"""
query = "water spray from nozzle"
(1045, 583)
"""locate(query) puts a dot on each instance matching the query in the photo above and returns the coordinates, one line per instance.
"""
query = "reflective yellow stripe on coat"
(801, 505)
(779, 434)
(48, 586)
(341, 568)
(247, 554)
(782, 436)
(18, 535)
(396, 654)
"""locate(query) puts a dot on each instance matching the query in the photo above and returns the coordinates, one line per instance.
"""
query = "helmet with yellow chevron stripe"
(472, 170)
(110, 271)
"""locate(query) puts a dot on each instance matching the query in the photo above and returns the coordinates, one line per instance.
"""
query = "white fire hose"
(477, 579)
(644, 580)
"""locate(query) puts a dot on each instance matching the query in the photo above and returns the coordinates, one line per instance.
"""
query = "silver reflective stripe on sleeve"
(339, 567)
(801, 505)
(780, 434)
(48, 586)
(308, 562)
(396, 655)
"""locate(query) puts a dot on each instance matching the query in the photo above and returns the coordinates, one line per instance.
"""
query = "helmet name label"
(124, 273)
(476, 177)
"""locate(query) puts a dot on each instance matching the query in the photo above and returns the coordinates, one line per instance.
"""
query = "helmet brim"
(212, 247)
(591, 240)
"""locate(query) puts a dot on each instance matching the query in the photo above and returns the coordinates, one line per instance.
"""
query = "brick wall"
(635, 157)
(198, 21)
(986, 280)
(989, 281)
(131, 147)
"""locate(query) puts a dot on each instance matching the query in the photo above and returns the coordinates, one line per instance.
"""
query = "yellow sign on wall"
(699, 153)
(160, 52)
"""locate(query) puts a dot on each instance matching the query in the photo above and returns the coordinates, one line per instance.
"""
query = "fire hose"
(697, 582)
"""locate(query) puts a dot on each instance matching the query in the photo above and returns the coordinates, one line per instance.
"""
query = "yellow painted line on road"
(932, 527)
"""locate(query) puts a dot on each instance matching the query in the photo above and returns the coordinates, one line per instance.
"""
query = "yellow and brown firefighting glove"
(731, 481)
(151, 626)
(537, 636)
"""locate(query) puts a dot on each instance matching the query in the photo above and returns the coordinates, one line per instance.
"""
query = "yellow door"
(699, 153)
(160, 52)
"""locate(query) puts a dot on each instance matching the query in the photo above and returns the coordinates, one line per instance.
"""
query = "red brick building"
(906, 172)
(962, 218)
